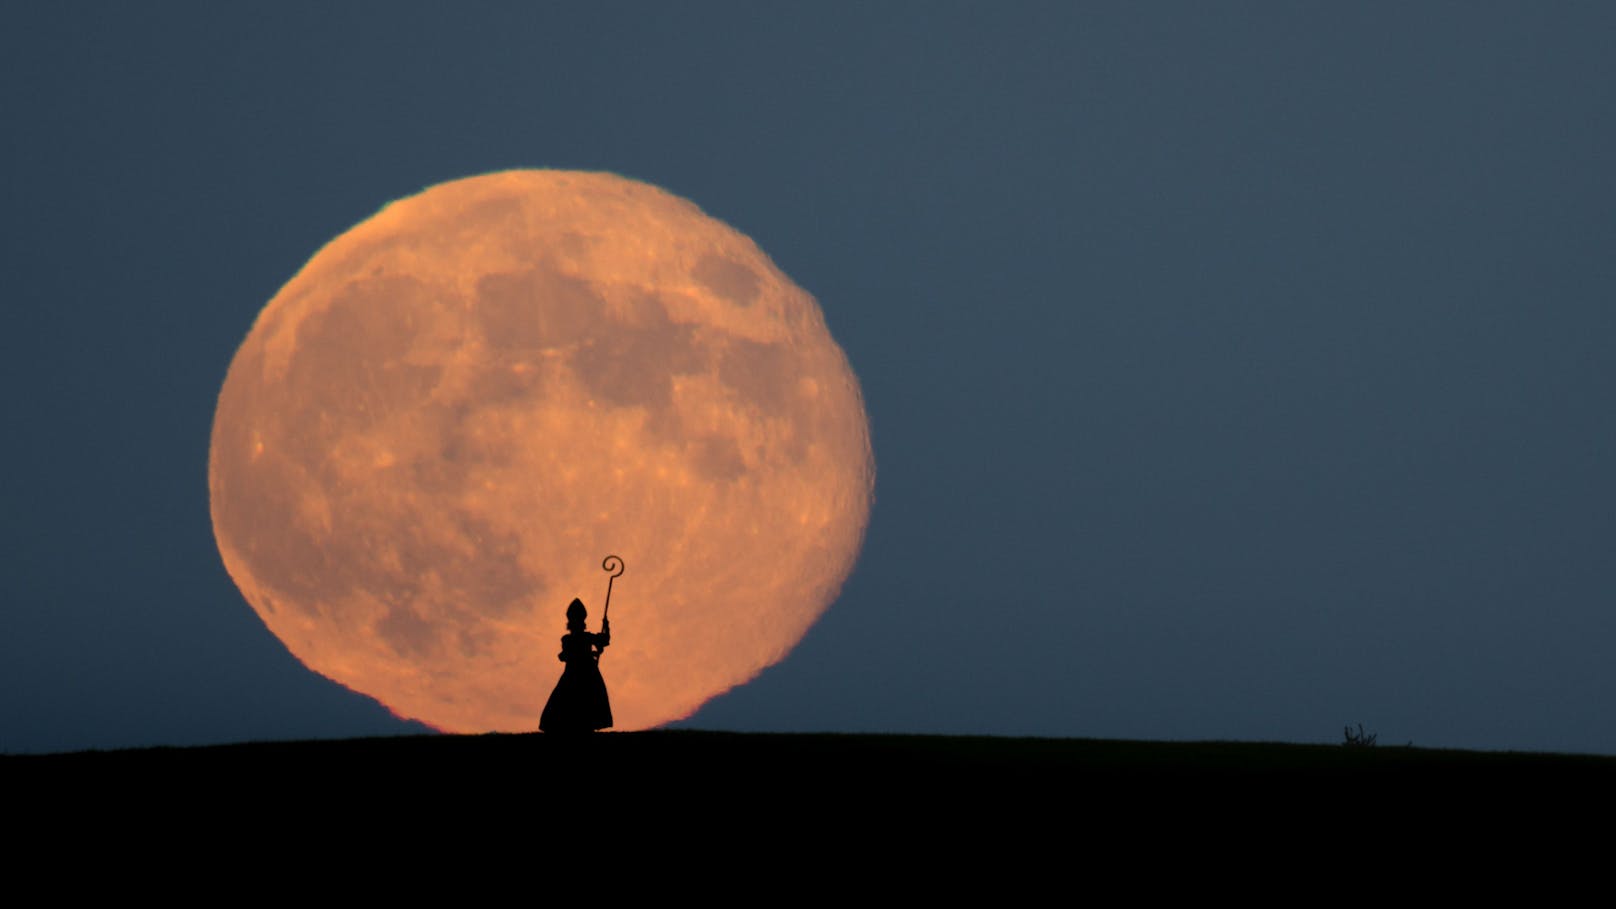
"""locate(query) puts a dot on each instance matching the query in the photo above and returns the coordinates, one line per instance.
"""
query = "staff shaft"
(614, 565)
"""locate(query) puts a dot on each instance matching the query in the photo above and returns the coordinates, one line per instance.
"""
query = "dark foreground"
(725, 796)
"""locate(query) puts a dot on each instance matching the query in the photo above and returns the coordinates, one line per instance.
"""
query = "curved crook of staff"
(614, 565)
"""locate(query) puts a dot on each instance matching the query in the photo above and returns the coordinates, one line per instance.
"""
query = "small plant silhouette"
(1359, 739)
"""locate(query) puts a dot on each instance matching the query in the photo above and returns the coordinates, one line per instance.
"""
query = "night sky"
(1235, 371)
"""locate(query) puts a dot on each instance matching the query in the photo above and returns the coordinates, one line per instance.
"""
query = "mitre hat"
(576, 610)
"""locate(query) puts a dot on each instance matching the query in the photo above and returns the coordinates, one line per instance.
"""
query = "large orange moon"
(435, 432)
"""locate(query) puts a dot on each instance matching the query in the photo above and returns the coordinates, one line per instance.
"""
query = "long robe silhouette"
(579, 702)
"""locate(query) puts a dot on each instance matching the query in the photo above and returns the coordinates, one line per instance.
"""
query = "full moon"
(439, 427)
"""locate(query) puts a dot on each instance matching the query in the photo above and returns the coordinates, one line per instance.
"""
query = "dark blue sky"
(1234, 370)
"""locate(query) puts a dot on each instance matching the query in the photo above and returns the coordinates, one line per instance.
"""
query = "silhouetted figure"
(579, 703)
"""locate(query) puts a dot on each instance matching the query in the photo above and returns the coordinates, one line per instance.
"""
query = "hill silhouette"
(950, 795)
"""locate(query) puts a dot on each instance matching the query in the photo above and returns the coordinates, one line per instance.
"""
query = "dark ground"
(671, 793)
(747, 819)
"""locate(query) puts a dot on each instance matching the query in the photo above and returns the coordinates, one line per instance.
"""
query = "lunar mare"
(435, 432)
